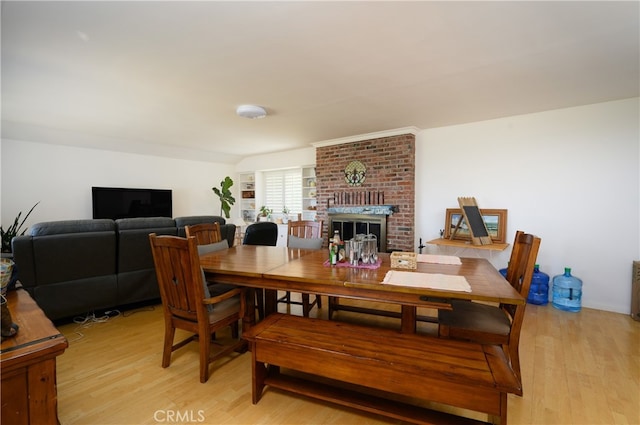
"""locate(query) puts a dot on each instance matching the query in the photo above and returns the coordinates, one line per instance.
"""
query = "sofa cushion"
(73, 256)
(205, 249)
(76, 297)
(71, 226)
(144, 223)
(137, 279)
(134, 249)
(213, 247)
(181, 222)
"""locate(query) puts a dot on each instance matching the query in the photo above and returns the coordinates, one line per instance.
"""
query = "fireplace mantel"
(367, 209)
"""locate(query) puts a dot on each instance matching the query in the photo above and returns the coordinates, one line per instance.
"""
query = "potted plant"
(14, 230)
(265, 214)
(285, 215)
(226, 198)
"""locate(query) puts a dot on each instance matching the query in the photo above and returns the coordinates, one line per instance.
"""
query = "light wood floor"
(578, 368)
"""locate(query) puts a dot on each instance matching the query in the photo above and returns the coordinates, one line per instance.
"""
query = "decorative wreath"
(355, 173)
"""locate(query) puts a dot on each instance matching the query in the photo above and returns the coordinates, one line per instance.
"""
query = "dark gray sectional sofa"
(75, 267)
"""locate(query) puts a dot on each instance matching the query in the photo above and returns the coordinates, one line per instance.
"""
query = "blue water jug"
(567, 292)
(503, 272)
(539, 289)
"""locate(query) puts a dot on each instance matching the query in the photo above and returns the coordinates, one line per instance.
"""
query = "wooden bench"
(368, 368)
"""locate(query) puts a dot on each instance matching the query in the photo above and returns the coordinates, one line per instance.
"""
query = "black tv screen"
(115, 203)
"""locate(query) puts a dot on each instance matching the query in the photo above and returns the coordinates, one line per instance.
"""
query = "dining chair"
(209, 239)
(205, 233)
(491, 324)
(261, 233)
(182, 290)
(303, 234)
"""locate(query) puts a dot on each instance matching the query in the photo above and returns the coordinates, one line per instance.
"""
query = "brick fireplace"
(389, 181)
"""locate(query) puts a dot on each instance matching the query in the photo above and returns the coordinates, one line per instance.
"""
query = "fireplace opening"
(350, 225)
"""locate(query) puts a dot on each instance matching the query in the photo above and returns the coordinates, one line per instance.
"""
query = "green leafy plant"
(14, 230)
(226, 198)
(265, 212)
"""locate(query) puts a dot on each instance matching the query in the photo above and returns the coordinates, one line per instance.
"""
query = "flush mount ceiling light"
(251, 111)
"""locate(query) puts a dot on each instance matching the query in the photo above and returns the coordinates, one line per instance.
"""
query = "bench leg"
(305, 305)
(258, 375)
(503, 408)
(502, 419)
(333, 305)
(408, 320)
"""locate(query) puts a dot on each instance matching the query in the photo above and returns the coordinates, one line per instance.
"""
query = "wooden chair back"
(521, 265)
(184, 305)
(205, 233)
(519, 274)
(179, 277)
(305, 228)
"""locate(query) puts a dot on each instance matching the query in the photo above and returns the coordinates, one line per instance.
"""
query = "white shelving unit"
(248, 197)
(309, 192)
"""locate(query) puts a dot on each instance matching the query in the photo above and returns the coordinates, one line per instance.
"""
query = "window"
(283, 188)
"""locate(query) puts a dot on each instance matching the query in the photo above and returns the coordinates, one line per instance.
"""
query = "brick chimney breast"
(390, 170)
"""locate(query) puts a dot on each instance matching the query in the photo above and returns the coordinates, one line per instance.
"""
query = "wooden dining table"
(299, 270)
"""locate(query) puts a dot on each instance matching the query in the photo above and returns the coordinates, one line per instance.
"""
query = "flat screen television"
(115, 203)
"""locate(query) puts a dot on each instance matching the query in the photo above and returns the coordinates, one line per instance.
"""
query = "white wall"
(571, 176)
(278, 160)
(61, 177)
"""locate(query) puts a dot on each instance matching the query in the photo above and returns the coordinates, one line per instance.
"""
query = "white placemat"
(427, 280)
(439, 259)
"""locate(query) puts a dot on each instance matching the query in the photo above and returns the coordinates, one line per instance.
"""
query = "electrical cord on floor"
(91, 319)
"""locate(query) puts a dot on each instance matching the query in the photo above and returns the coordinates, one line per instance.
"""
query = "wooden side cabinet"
(28, 365)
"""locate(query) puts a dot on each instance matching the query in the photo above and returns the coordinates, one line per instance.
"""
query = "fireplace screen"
(350, 225)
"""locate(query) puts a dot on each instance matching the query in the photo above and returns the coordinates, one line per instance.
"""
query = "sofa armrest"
(24, 260)
(228, 232)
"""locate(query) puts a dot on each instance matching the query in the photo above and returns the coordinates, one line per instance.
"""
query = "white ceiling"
(165, 78)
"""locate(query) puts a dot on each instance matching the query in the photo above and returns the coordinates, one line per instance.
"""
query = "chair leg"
(514, 357)
(205, 345)
(319, 300)
(169, 333)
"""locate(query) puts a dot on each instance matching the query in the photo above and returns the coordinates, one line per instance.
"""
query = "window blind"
(283, 188)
